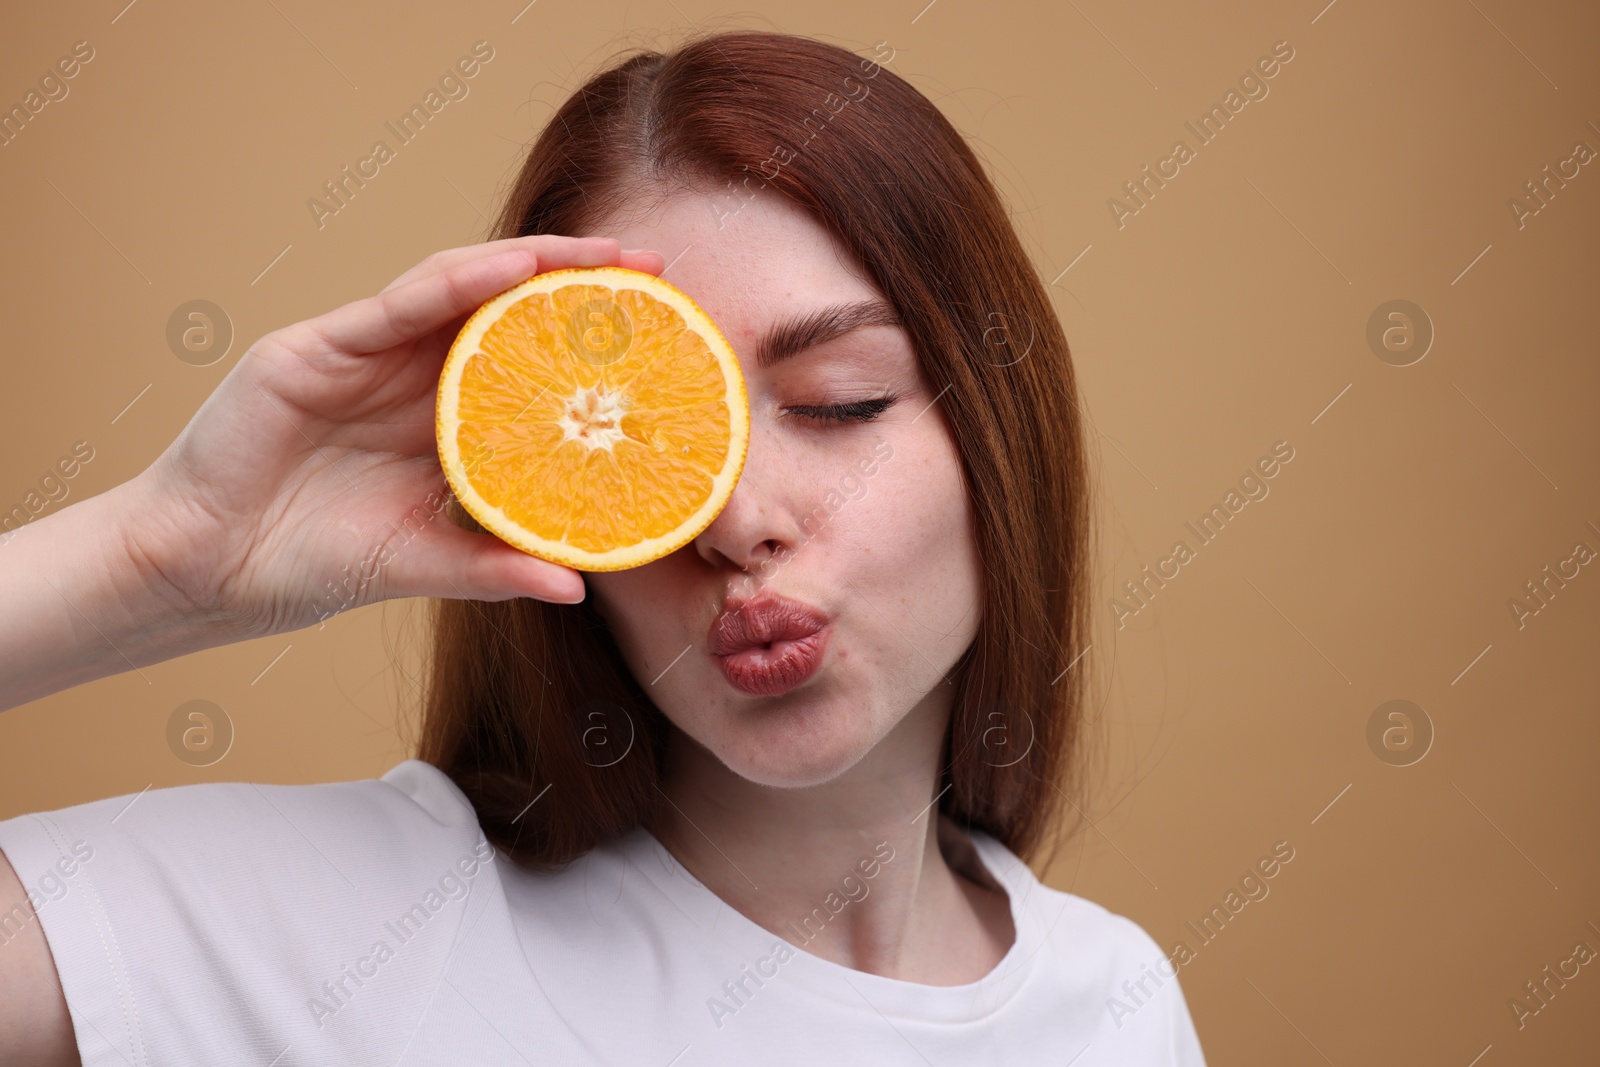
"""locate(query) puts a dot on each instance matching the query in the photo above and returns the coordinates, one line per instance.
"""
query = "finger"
(648, 262)
(460, 564)
(418, 307)
(539, 243)
(645, 261)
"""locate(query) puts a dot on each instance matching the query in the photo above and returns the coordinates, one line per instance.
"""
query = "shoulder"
(252, 838)
(1106, 945)
(1104, 969)
(1116, 935)
(211, 900)
(412, 792)
(1099, 937)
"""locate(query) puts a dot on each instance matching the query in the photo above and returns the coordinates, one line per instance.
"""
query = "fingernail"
(634, 251)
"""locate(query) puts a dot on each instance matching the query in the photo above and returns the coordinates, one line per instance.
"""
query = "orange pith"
(593, 416)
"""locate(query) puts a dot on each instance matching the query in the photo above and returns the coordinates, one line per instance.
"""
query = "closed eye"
(855, 411)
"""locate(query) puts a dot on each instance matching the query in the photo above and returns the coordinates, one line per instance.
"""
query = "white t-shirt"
(370, 922)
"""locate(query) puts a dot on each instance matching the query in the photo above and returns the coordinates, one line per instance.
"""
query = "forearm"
(75, 605)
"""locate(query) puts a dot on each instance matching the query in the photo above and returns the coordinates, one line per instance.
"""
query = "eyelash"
(855, 411)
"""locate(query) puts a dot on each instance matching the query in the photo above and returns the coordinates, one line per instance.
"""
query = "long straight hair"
(528, 701)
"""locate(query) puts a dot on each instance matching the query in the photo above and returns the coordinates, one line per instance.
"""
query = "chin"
(794, 744)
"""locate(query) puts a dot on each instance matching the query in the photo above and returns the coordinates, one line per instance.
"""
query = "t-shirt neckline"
(894, 997)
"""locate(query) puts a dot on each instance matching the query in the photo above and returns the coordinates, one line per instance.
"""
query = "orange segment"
(594, 416)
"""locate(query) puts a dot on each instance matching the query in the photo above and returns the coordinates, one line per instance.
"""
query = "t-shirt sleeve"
(1181, 1040)
(235, 922)
(1185, 1040)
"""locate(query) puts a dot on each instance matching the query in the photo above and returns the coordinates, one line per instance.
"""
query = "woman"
(765, 799)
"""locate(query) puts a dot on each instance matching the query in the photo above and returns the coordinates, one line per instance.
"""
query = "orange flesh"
(596, 427)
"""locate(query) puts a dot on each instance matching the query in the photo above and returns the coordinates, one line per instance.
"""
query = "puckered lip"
(765, 618)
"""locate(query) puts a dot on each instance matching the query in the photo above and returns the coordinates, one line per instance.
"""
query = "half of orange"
(593, 416)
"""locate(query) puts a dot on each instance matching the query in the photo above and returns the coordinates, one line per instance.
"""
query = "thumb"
(463, 565)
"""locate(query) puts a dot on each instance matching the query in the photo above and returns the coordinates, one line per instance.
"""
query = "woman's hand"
(309, 481)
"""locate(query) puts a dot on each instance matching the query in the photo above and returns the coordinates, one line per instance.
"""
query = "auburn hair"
(525, 700)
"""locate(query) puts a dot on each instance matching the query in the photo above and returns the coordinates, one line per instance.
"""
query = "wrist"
(143, 553)
(78, 603)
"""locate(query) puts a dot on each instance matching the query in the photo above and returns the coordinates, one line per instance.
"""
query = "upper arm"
(35, 1026)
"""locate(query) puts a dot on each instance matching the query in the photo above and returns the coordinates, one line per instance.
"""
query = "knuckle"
(296, 338)
(401, 313)
(428, 264)
(302, 343)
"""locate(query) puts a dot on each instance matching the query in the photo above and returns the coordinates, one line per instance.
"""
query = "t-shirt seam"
(102, 928)
(983, 986)
(463, 932)
(668, 897)
(451, 789)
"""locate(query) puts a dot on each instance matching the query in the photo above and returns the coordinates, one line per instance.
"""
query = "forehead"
(747, 261)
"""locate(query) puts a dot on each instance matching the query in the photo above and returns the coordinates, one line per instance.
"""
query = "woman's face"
(865, 521)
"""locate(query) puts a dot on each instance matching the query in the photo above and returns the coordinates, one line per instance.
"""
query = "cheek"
(923, 513)
(912, 545)
(648, 610)
(626, 601)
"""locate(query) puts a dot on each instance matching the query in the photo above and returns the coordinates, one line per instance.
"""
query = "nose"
(756, 525)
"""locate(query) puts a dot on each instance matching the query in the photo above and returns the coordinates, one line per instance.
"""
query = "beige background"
(1229, 314)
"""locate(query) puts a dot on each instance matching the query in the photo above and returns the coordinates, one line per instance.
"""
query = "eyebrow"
(795, 335)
